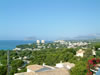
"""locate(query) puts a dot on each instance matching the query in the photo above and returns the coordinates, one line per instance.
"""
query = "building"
(25, 73)
(61, 71)
(44, 70)
(17, 49)
(66, 65)
(34, 68)
(43, 41)
(94, 52)
(80, 53)
(38, 42)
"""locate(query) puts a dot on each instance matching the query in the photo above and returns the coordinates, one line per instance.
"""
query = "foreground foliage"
(48, 56)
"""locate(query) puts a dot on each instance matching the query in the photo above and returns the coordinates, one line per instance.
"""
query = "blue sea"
(11, 44)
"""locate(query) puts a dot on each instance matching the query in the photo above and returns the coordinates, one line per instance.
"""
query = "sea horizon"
(11, 44)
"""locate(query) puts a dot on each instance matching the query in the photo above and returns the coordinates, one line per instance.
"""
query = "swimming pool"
(98, 73)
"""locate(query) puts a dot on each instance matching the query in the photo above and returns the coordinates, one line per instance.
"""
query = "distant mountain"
(30, 38)
(83, 37)
(88, 37)
(63, 38)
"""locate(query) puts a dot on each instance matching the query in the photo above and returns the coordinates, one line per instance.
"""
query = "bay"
(11, 44)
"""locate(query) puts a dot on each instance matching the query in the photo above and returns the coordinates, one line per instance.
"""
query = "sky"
(48, 19)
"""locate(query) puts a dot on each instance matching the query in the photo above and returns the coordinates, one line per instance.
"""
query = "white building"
(25, 57)
(17, 49)
(93, 52)
(43, 41)
(38, 42)
(59, 65)
(80, 53)
(44, 70)
(33, 68)
(66, 65)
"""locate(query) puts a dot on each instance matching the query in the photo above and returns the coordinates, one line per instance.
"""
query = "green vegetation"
(27, 46)
(48, 56)
(3, 70)
(96, 45)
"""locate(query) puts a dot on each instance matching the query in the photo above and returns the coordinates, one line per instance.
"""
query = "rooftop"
(25, 73)
(61, 71)
(34, 67)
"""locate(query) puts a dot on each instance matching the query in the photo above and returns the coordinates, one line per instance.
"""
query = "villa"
(80, 53)
(59, 69)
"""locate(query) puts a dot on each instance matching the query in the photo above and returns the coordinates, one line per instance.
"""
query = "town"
(59, 57)
(55, 44)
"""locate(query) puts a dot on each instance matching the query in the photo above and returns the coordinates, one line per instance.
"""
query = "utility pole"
(8, 64)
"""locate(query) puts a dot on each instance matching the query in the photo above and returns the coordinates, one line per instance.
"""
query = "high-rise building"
(38, 41)
(42, 41)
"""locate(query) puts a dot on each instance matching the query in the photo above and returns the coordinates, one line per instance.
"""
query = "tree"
(79, 69)
(88, 53)
(3, 70)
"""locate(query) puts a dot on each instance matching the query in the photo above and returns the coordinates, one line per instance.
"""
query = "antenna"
(8, 64)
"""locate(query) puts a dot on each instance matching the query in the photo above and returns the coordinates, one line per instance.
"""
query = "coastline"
(11, 44)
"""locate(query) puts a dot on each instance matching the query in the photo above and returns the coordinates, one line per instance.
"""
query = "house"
(80, 53)
(61, 71)
(34, 68)
(93, 52)
(66, 65)
(25, 73)
(17, 49)
(44, 70)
